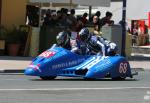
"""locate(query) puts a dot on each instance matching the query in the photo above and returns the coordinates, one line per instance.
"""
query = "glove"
(112, 45)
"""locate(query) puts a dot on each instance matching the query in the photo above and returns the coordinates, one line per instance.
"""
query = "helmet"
(84, 34)
(112, 50)
(62, 38)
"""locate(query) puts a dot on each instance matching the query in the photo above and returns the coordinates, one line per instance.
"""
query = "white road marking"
(146, 97)
(148, 92)
(73, 89)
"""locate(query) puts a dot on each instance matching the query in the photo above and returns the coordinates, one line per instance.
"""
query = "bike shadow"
(82, 79)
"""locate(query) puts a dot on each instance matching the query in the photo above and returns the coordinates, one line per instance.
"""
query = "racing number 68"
(123, 68)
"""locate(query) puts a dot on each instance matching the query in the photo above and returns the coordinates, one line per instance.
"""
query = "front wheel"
(47, 77)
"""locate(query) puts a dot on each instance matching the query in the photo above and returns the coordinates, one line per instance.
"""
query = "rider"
(97, 44)
(65, 40)
(111, 47)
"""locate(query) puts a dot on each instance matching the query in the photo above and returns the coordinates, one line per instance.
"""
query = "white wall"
(115, 8)
(138, 9)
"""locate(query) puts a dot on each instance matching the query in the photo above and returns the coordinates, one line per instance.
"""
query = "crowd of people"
(68, 19)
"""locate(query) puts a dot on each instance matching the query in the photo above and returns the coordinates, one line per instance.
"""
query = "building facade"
(12, 12)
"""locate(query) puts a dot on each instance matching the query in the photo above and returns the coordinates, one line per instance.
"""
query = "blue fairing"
(115, 66)
(61, 62)
(52, 61)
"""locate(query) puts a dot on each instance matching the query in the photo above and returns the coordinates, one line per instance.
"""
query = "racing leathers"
(98, 44)
(95, 46)
(81, 47)
(70, 42)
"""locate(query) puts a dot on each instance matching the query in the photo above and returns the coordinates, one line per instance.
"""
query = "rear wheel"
(47, 77)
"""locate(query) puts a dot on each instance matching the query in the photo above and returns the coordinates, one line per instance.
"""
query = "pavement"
(9, 64)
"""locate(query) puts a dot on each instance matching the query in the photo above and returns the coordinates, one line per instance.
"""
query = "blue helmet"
(62, 38)
(84, 34)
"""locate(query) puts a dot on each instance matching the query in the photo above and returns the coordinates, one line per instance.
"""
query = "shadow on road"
(81, 79)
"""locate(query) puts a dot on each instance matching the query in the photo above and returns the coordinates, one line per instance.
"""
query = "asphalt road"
(23, 89)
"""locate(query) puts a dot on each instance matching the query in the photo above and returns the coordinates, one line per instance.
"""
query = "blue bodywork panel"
(61, 62)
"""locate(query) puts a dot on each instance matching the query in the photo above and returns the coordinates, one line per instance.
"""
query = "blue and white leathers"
(96, 46)
(99, 44)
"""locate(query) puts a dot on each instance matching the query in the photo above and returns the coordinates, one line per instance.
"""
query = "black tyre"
(47, 77)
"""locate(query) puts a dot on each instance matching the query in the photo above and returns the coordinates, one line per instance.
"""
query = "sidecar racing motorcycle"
(58, 61)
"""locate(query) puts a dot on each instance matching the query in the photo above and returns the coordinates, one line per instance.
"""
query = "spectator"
(96, 25)
(72, 18)
(134, 34)
(53, 19)
(47, 19)
(98, 14)
(95, 20)
(58, 17)
(79, 24)
(64, 18)
(97, 30)
(84, 18)
(106, 20)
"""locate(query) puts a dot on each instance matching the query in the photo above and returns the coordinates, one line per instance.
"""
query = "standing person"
(97, 30)
(84, 18)
(95, 20)
(134, 33)
(106, 20)
(96, 25)
(72, 24)
(72, 17)
(47, 19)
(98, 14)
(64, 18)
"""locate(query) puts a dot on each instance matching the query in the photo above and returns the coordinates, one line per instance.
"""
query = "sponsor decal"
(47, 54)
(67, 64)
(35, 67)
